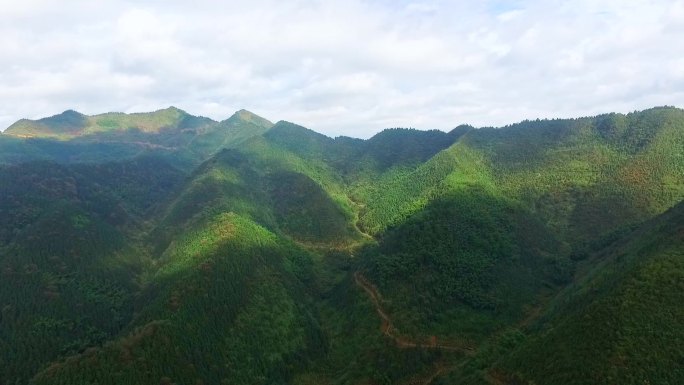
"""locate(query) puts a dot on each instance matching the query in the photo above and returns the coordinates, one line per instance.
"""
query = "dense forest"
(166, 248)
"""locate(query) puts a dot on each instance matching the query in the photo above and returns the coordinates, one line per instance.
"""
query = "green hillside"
(467, 265)
(621, 321)
(249, 279)
(66, 124)
(167, 248)
(476, 239)
(69, 255)
(581, 178)
(229, 133)
(70, 124)
(183, 139)
(617, 323)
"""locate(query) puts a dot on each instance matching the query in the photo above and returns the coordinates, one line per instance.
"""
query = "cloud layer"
(343, 68)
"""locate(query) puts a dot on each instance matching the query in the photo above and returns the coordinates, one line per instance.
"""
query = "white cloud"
(350, 67)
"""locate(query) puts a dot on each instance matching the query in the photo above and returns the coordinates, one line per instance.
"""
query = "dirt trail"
(389, 330)
(403, 342)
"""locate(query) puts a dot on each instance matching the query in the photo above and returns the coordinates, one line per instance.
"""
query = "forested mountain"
(70, 124)
(618, 322)
(70, 255)
(168, 248)
(71, 137)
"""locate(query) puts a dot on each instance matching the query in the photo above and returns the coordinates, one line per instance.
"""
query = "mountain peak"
(174, 109)
(69, 112)
(64, 123)
(250, 117)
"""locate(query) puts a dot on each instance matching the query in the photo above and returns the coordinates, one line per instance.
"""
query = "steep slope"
(334, 164)
(269, 189)
(358, 161)
(582, 177)
(589, 177)
(258, 330)
(270, 320)
(406, 147)
(467, 265)
(479, 236)
(230, 133)
(622, 322)
(619, 323)
(69, 256)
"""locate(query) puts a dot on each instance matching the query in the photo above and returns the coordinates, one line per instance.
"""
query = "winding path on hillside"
(390, 331)
(404, 342)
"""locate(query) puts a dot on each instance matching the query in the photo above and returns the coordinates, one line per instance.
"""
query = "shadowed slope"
(618, 323)
(69, 255)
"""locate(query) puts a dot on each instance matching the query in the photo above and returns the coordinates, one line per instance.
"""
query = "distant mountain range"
(168, 248)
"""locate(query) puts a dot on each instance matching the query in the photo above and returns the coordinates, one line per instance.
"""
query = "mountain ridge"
(70, 123)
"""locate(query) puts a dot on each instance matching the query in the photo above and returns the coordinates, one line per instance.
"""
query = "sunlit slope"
(584, 177)
(272, 190)
(286, 152)
(261, 286)
(304, 176)
(476, 238)
(358, 161)
(75, 137)
(588, 177)
(227, 303)
(183, 139)
(71, 124)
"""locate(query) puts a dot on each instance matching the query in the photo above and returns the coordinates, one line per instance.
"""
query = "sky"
(349, 67)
